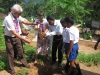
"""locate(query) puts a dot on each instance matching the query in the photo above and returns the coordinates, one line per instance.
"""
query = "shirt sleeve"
(58, 30)
(21, 19)
(3, 24)
(37, 20)
(55, 32)
(51, 33)
(71, 36)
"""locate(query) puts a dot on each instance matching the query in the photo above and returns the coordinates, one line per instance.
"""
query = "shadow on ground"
(84, 72)
(45, 68)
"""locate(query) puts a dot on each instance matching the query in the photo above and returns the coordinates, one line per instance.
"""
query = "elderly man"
(13, 38)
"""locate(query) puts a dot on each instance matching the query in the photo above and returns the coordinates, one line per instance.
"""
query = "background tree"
(81, 10)
(5, 4)
(62, 8)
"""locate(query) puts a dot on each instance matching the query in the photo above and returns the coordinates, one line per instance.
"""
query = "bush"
(87, 36)
(3, 62)
(2, 65)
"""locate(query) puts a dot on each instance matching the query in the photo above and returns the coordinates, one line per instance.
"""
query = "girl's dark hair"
(50, 17)
(40, 13)
(70, 20)
(62, 20)
(9, 9)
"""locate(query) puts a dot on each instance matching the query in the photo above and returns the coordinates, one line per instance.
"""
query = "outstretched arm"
(96, 45)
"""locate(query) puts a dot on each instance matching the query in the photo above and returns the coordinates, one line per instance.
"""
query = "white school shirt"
(73, 34)
(9, 25)
(55, 29)
(44, 28)
(65, 35)
(44, 23)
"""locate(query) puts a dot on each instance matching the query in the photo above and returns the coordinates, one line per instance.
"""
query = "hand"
(40, 29)
(27, 40)
(34, 23)
(44, 34)
(40, 35)
(95, 47)
(68, 54)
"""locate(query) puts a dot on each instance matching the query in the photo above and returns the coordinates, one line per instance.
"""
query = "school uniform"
(73, 34)
(56, 32)
(42, 46)
(12, 41)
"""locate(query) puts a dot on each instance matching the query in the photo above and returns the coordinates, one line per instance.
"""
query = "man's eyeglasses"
(19, 13)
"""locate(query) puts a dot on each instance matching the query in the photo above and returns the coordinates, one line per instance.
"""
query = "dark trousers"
(12, 43)
(15, 51)
(56, 41)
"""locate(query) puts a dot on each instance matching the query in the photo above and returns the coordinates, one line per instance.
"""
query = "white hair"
(16, 8)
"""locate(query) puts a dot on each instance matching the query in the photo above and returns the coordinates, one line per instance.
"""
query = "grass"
(29, 51)
(23, 71)
(2, 42)
(91, 59)
(3, 62)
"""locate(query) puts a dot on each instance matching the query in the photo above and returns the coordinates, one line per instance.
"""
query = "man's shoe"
(12, 73)
(27, 66)
(66, 68)
(59, 64)
(52, 63)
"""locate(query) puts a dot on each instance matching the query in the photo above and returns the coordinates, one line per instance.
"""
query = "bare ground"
(44, 68)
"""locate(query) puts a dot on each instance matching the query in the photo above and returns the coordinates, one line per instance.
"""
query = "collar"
(12, 16)
(72, 26)
(55, 22)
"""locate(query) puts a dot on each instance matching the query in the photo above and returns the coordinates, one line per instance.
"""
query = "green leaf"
(63, 5)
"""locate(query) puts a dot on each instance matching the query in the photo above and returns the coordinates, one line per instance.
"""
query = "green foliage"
(29, 51)
(87, 36)
(3, 62)
(2, 65)
(23, 71)
(89, 58)
(6, 4)
(2, 41)
(63, 8)
(59, 8)
(2, 10)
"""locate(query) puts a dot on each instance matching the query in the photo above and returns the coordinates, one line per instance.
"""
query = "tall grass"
(29, 52)
(91, 59)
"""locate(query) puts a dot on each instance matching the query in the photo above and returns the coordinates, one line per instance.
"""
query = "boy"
(65, 42)
(73, 37)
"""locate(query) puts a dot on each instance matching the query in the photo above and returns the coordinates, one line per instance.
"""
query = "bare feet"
(35, 62)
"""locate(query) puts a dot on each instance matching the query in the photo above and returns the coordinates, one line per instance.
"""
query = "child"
(42, 42)
(65, 42)
(73, 37)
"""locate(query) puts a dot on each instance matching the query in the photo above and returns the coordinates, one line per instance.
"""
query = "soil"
(44, 68)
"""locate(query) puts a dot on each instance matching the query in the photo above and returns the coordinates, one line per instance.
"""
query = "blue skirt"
(74, 52)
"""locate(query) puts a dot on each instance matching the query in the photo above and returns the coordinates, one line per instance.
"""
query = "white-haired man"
(13, 38)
